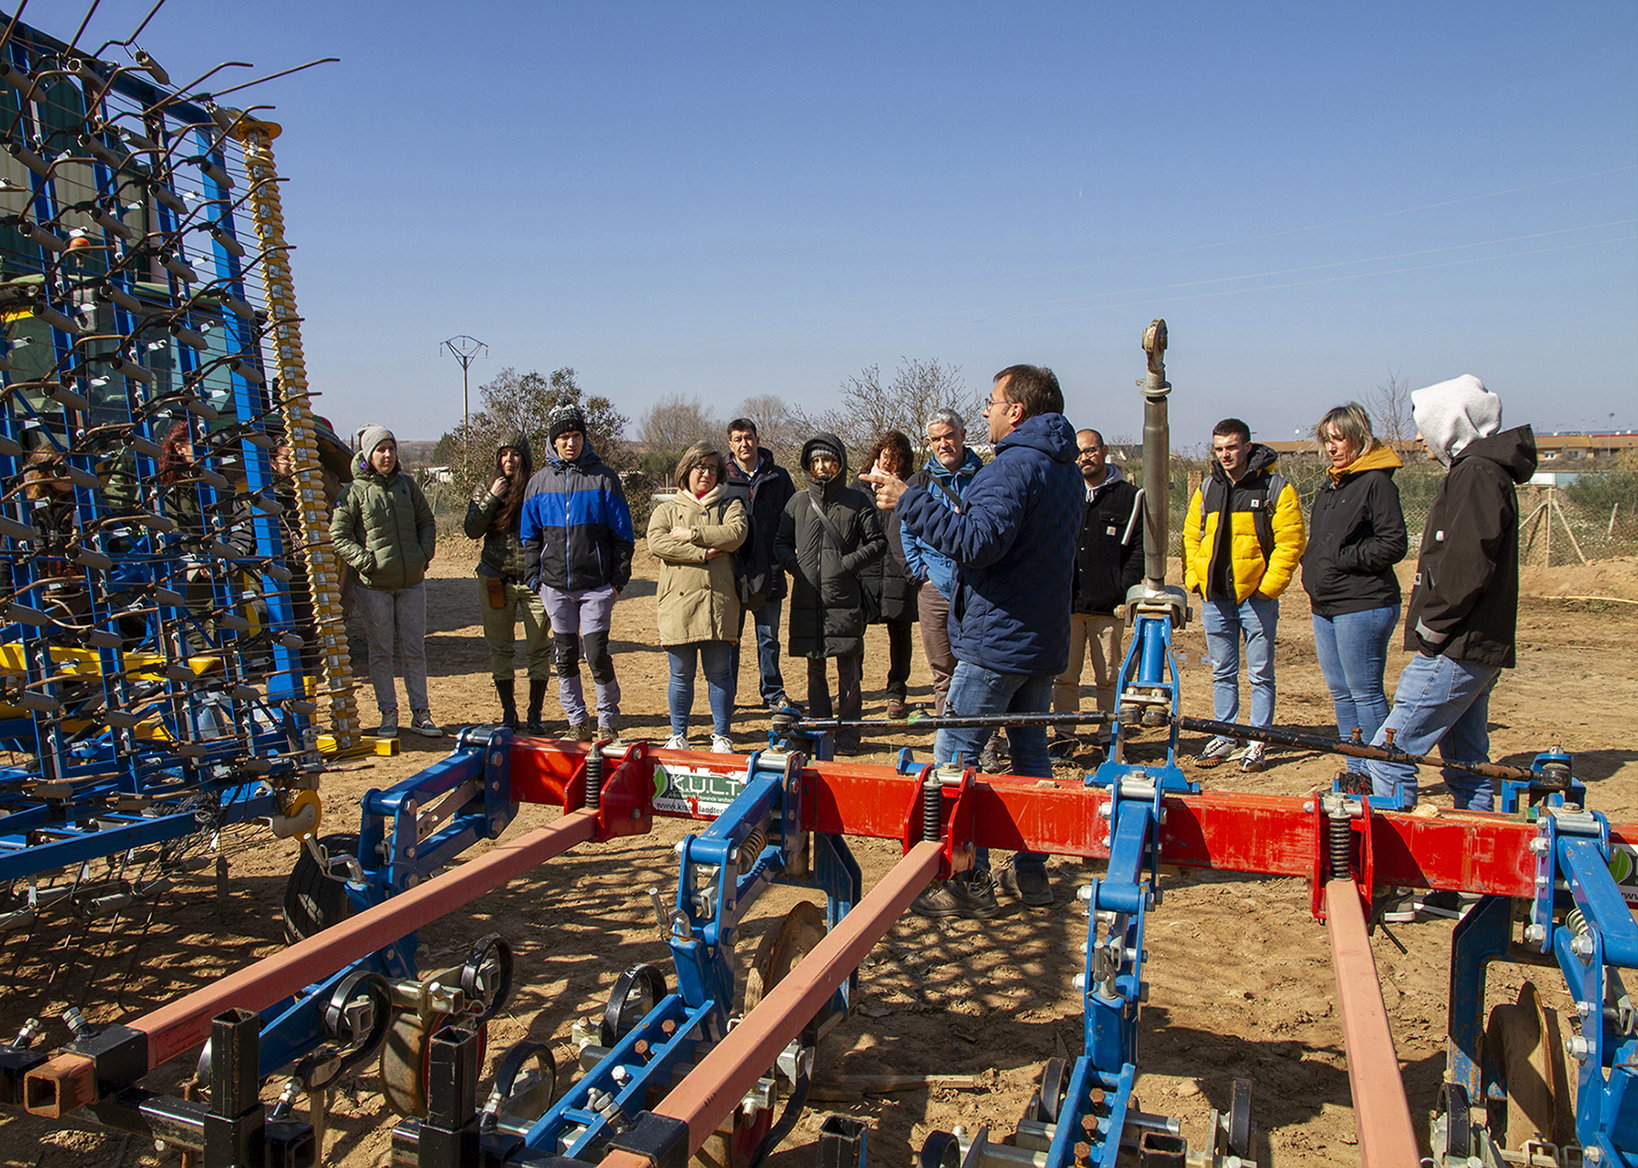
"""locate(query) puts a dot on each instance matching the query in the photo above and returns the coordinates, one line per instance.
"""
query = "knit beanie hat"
(369, 438)
(564, 418)
(821, 444)
(1454, 413)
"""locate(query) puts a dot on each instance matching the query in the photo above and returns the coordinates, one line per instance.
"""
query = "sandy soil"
(1241, 983)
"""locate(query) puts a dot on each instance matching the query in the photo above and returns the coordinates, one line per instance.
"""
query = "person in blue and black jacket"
(577, 545)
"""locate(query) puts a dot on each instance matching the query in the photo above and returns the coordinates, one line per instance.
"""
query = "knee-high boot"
(507, 689)
(537, 698)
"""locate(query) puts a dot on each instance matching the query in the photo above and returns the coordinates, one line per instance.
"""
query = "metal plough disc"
(782, 948)
(406, 1058)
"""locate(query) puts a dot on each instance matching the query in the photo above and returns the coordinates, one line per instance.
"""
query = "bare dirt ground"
(1241, 980)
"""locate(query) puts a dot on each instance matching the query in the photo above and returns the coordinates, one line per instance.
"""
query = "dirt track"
(1241, 982)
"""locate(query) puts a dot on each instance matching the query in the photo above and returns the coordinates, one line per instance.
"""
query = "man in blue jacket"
(946, 477)
(577, 545)
(1013, 544)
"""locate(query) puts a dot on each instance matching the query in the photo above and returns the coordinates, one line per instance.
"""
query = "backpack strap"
(1262, 510)
(824, 521)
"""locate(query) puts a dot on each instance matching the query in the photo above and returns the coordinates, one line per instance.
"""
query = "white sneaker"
(677, 742)
(721, 744)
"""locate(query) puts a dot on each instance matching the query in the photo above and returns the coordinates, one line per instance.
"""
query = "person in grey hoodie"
(1463, 612)
(495, 516)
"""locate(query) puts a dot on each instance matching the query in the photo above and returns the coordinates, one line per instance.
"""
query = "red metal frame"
(1274, 835)
(1382, 1118)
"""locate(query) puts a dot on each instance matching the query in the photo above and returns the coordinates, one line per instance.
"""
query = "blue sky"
(730, 199)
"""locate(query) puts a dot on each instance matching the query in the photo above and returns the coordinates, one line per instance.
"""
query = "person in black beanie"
(577, 546)
(828, 535)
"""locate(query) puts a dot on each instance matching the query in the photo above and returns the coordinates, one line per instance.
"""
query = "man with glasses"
(1108, 562)
(1013, 544)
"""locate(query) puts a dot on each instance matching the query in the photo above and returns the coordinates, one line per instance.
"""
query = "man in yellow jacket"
(1242, 540)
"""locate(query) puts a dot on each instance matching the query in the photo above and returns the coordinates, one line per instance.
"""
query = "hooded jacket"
(383, 527)
(1109, 554)
(1013, 544)
(1356, 534)
(920, 561)
(576, 526)
(1253, 571)
(697, 598)
(764, 492)
(502, 554)
(827, 617)
(1465, 601)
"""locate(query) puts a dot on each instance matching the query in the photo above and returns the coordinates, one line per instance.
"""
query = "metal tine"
(128, 41)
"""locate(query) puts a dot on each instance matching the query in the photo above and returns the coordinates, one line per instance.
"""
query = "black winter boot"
(507, 689)
(537, 698)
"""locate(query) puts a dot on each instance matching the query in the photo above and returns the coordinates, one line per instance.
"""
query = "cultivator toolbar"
(672, 1067)
(169, 609)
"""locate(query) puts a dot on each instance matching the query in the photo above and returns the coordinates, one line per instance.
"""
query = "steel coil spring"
(1341, 844)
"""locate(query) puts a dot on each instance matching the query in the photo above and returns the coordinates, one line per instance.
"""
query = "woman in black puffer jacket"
(1356, 534)
(827, 617)
(494, 516)
(887, 579)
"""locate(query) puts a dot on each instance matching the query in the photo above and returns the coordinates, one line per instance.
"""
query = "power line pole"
(466, 350)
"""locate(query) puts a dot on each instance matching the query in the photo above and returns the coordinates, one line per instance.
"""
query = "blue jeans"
(766, 620)
(1443, 702)
(975, 690)
(1353, 652)
(716, 657)
(1253, 620)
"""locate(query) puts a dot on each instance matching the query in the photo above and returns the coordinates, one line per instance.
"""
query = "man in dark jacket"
(577, 545)
(1013, 542)
(764, 487)
(828, 535)
(1108, 562)
(1465, 600)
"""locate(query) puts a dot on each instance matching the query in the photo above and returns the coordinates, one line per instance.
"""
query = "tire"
(312, 901)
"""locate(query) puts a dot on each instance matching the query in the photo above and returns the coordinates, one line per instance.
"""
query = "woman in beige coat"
(692, 534)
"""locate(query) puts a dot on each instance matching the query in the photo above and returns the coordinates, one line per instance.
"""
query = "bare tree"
(1390, 407)
(520, 403)
(870, 408)
(674, 423)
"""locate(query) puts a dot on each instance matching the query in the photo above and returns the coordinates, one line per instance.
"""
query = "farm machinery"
(688, 1061)
(170, 636)
(169, 604)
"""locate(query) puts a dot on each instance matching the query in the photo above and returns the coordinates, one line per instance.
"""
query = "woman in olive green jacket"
(692, 534)
(383, 527)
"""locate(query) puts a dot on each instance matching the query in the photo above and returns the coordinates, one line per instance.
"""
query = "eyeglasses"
(705, 468)
(997, 401)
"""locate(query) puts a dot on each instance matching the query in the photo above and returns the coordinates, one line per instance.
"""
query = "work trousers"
(396, 616)
(1098, 636)
(500, 625)
(935, 641)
